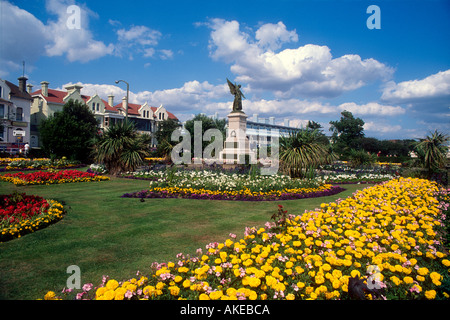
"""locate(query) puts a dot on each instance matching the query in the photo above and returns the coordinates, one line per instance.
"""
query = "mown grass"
(104, 234)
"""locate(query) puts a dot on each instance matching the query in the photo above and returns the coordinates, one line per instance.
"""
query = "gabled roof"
(57, 96)
(133, 109)
(15, 91)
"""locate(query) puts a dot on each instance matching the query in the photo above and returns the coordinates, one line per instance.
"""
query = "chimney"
(111, 100)
(124, 104)
(29, 88)
(272, 120)
(286, 122)
(255, 117)
(72, 88)
(23, 84)
(44, 87)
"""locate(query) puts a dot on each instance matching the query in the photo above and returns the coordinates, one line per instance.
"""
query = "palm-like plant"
(121, 148)
(432, 150)
(301, 151)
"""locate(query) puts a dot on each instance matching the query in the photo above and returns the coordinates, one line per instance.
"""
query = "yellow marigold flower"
(430, 294)
(408, 280)
(215, 295)
(203, 296)
(446, 262)
(109, 295)
(422, 271)
(186, 283)
(50, 296)
(290, 296)
(355, 273)
(112, 284)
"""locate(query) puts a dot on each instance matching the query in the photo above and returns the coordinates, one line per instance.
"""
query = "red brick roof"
(56, 96)
(133, 109)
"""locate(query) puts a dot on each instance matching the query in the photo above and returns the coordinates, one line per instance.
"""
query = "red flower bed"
(46, 177)
(18, 207)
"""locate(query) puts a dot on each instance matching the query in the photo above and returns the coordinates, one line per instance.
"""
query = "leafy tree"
(432, 151)
(207, 123)
(301, 151)
(69, 133)
(121, 148)
(346, 132)
(163, 136)
(165, 129)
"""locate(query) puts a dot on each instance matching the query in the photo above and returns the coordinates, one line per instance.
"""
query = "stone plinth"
(237, 147)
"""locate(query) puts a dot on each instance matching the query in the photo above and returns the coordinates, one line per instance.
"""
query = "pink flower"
(88, 286)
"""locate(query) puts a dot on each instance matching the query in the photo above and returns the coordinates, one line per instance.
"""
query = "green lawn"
(107, 235)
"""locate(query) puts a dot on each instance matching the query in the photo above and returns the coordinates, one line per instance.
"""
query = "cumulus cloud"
(54, 38)
(372, 108)
(308, 70)
(77, 44)
(137, 39)
(32, 35)
(435, 86)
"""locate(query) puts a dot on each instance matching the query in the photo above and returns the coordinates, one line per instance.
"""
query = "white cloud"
(435, 86)
(381, 128)
(308, 70)
(16, 23)
(372, 108)
(273, 36)
(75, 44)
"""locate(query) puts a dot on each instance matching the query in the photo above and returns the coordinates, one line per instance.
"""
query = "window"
(19, 114)
(1, 91)
(98, 106)
(2, 111)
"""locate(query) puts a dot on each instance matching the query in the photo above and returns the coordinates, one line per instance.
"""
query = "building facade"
(15, 108)
(45, 102)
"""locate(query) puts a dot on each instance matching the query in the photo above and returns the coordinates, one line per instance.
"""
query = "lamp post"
(128, 90)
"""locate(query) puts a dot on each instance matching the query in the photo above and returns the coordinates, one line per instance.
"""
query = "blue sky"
(296, 60)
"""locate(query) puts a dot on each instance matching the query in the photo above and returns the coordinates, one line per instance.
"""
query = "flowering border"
(244, 195)
(393, 228)
(47, 178)
(48, 216)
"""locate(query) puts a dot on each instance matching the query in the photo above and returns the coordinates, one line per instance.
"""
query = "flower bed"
(44, 177)
(387, 236)
(41, 163)
(357, 178)
(21, 214)
(241, 195)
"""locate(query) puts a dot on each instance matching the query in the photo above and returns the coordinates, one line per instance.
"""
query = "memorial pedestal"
(237, 147)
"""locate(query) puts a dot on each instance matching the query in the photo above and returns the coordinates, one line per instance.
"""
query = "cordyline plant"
(120, 148)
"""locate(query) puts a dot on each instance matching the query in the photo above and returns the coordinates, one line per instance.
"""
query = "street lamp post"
(128, 90)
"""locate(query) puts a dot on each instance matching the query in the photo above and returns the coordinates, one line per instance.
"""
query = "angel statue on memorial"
(235, 90)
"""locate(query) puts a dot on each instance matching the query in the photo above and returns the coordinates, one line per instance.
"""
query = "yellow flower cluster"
(55, 213)
(154, 159)
(242, 194)
(388, 232)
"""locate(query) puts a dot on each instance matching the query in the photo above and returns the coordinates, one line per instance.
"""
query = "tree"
(69, 133)
(432, 151)
(207, 123)
(301, 151)
(121, 148)
(163, 136)
(346, 132)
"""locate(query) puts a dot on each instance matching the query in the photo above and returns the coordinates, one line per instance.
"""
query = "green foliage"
(360, 158)
(432, 151)
(69, 133)
(121, 148)
(346, 132)
(300, 151)
(207, 123)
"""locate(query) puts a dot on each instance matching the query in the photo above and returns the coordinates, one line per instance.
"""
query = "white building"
(15, 106)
